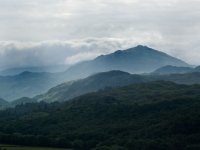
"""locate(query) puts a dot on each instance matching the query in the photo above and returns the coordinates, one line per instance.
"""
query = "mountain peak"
(142, 48)
(139, 59)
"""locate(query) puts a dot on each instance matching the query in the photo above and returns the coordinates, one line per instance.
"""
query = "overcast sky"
(45, 32)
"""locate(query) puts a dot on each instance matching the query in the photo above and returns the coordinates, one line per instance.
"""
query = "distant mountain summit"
(50, 69)
(140, 59)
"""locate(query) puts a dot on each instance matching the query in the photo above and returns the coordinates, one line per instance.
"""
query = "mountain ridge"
(139, 59)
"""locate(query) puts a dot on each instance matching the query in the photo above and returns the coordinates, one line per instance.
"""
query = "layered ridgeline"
(135, 60)
(147, 116)
(105, 80)
(101, 81)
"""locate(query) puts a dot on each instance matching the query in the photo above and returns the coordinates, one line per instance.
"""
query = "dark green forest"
(157, 115)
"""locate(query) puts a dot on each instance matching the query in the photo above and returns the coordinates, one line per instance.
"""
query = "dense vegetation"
(149, 116)
(16, 147)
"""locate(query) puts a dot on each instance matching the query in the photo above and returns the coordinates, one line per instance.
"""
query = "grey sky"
(32, 32)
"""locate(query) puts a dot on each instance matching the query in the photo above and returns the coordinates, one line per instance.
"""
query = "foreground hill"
(135, 60)
(156, 115)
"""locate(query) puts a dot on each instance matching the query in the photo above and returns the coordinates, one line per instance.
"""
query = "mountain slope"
(157, 116)
(197, 69)
(21, 101)
(3, 103)
(173, 70)
(92, 83)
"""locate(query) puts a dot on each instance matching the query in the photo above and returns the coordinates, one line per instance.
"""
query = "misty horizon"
(99, 75)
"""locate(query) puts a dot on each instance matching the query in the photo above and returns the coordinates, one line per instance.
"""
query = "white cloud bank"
(18, 54)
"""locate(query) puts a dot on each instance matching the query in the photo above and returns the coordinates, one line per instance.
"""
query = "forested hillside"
(148, 116)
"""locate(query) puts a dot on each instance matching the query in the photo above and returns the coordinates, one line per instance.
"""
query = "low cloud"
(76, 30)
(18, 54)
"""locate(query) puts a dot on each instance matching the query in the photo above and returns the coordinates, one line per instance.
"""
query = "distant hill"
(148, 116)
(134, 60)
(173, 70)
(26, 84)
(50, 69)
